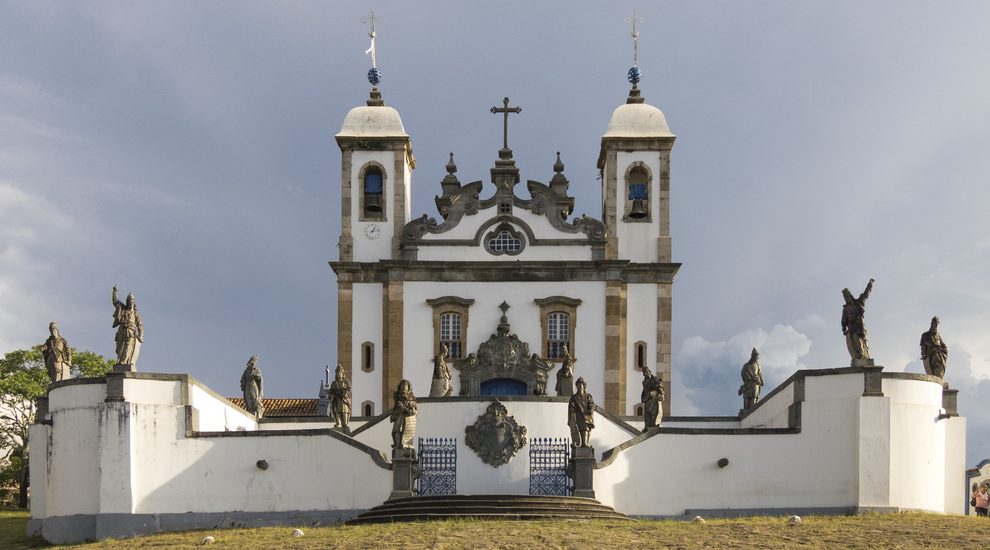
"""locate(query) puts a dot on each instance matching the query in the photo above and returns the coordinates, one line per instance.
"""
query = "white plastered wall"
(641, 325)
(72, 462)
(366, 326)
(915, 423)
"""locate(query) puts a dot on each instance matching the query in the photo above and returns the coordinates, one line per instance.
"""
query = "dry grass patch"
(869, 531)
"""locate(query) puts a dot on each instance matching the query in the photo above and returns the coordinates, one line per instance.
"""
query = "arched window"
(637, 193)
(368, 356)
(451, 334)
(373, 194)
(368, 408)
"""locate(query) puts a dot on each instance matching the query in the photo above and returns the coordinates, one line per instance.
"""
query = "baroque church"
(506, 287)
(408, 286)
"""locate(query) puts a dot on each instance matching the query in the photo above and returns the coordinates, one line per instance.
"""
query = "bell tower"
(376, 164)
(634, 161)
(376, 175)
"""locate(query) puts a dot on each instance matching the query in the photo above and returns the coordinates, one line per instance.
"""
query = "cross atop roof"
(505, 109)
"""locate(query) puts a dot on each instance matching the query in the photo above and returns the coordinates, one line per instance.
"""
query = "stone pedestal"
(581, 470)
(950, 398)
(872, 379)
(123, 368)
(40, 409)
(115, 386)
(405, 470)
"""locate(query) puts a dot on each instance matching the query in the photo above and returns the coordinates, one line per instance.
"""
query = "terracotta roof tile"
(283, 407)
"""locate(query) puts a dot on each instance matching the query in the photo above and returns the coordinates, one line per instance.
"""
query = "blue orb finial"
(374, 75)
(634, 75)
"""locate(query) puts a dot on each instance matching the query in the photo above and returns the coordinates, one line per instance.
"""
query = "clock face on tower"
(372, 231)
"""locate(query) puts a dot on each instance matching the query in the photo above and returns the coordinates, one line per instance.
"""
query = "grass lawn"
(868, 531)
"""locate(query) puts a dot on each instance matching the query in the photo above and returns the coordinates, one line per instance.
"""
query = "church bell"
(373, 202)
(638, 211)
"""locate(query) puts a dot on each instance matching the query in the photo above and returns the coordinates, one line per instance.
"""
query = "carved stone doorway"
(503, 365)
(503, 386)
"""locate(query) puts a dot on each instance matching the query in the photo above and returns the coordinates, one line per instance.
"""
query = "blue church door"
(503, 386)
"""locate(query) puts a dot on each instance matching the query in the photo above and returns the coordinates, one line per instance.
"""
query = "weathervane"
(374, 74)
(635, 35)
(634, 75)
(505, 109)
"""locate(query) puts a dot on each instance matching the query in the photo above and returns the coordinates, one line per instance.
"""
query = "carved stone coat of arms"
(495, 436)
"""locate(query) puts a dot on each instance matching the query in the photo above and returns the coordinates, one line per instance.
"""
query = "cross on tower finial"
(372, 19)
(505, 109)
(635, 35)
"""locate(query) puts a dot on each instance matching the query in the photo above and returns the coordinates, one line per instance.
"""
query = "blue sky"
(184, 151)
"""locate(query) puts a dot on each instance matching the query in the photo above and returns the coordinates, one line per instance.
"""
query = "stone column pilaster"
(392, 313)
(615, 347)
(345, 320)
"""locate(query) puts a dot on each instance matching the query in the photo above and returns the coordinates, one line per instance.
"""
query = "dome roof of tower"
(637, 120)
(372, 121)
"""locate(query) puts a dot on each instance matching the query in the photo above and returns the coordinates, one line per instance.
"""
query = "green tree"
(23, 378)
(86, 364)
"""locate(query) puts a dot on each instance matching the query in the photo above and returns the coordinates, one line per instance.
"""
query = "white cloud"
(710, 370)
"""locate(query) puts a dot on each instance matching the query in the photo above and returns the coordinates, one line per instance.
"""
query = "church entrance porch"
(503, 386)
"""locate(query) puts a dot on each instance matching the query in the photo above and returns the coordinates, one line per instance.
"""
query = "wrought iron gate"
(437, 466)
(548, 458)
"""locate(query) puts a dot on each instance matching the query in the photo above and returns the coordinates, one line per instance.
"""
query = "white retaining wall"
(173, 454)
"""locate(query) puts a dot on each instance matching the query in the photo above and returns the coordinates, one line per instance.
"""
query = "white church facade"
(506, 261)
(601, 287)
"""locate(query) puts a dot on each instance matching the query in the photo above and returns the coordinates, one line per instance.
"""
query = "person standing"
(981, 499)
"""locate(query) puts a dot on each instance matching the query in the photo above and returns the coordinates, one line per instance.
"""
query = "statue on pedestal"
(565, 376)
(752, 381)
(403, 416)
(340, 400)
(130, 332)
(252, 386)
(581, 415)
(854, 327)
(441, 386)
(57, 354)
(652, 399)
(934, 352)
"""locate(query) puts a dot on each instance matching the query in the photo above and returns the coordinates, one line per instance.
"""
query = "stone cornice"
(497, 271)
(573, 302)
(466, 302)
(658, 144)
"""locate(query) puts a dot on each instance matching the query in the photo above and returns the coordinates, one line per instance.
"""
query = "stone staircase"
(504, 507)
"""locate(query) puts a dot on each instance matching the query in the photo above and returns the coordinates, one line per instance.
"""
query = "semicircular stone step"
(495, 507)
